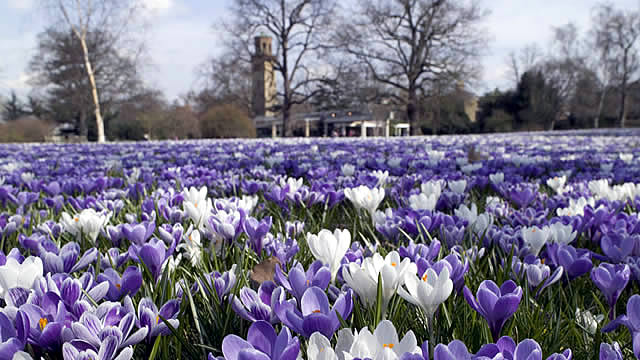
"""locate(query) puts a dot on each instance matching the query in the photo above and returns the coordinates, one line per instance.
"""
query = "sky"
(181, 37)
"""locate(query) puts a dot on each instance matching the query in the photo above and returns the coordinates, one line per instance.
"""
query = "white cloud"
(20, 4)
(158, 4)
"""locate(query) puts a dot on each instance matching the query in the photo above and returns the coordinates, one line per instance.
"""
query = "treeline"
(328, 55)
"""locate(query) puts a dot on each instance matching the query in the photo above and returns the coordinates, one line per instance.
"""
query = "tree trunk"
(622, 117)
(412, 114)
(552, 124)
(94, 91)
(596, 121)
(286, 114)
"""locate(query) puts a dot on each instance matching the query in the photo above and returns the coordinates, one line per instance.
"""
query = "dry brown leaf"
(265, 271)
(474, 156)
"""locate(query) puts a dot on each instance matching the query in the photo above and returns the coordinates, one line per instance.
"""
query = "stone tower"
(264, 77)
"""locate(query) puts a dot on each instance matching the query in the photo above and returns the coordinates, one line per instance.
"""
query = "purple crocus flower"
(528, 349)
(152, 254)
(575, 262)
(222, 284)
(149, 316)
(537, 273)
(257, 230)
(114, 258)
(66, 260)
(610, 352)
(262, 344)
(617, 246)
(420, 251)
(119, 286)
(283, 249)
(255, 306)
(106, 351)
(456, 350)
(90, 332)
(495, 304)
(138, 233)
(46, 321)
(611, 280)
(631, 320)
(298, 281)
(14, 334)
(315, 314)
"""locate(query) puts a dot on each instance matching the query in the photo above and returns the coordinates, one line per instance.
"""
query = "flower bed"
(467, 247)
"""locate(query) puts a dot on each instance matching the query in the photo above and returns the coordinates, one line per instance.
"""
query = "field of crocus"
(512, 247)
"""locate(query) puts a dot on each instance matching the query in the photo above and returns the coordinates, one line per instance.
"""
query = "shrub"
(226, 121)
(25, 129)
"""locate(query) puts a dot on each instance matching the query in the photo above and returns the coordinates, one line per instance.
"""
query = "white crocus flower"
(198, 211)
(194, 195)
(364, 198)
(429, 291)
(25, 275)
(576, 207)
(432, 187)
(383, 344)
(423, 202)
(348, 170)
(320, 348)
(458, 186)
(382, 176)
(88, 222)
(192, 247)
(27, 177)
(172, 263)
(330, 248)
(626, 158)
(133, 177)
(557, 183)
(535, 238)
(469, 214)
(363, 279)
(497, 178)
(561, 233)
(588, 321)
(294, 184)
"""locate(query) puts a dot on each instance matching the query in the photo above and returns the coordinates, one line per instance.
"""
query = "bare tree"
(86, 16)
(616, 37)
(224, 78)
(58, 67)
(524, 60)
(563, 67)
(298, 28)
(410, 44)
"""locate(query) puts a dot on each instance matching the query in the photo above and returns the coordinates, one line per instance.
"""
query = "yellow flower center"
(76, 219)
(196, 204)
(393, 264)
(424, 278)
(316, 311)
(158, 319)
(390, 346)
(308, 283)
(542, 261)
(190, 238)
(42, 323)
(118, 286)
